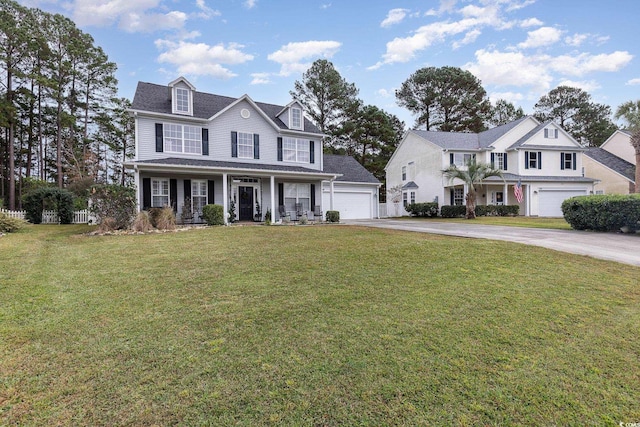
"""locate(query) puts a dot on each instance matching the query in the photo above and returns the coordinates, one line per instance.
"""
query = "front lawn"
(511, 221)
(318, 326)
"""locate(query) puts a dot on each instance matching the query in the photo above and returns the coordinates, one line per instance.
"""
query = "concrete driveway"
(618, 247)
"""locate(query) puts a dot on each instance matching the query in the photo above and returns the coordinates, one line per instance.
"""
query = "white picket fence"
(51, 217)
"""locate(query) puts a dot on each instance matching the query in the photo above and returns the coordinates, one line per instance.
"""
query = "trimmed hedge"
(10, 225)
(213, 214)
(603, 212)
(56, 199)
(481, 210)
(427, 209)
(333, 216)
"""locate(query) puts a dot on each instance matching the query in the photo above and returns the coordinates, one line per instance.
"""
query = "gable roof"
(519, 143)
(156, 98)
(468, 141)
(613, 162)
(349, 169)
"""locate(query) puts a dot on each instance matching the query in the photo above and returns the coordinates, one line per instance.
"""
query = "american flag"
(517, 191)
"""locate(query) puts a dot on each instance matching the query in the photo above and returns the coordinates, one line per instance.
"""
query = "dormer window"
(296, 118)
(182, 101)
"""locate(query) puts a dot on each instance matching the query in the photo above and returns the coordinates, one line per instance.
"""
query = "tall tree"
(588, 122)
(473, 174)
(503, 112)
(630, 112)
(447, 99)
(326, 96)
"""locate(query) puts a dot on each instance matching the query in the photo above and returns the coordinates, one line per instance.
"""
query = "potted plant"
(258, 216)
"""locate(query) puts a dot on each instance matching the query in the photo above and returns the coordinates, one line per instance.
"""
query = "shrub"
(603, 212)
(455, 211)
(10, 225)
(507, 210)
(304, 219)
(107, 224)
(213, 214)
(42, 198)
(113, 201)
(428, 209)
(166, 219)
(333, 216)
(142, 223)
(267, 217)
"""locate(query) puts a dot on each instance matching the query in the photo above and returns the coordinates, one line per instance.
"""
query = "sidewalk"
(624, 248)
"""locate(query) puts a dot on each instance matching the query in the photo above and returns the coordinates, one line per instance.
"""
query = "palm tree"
(630, 111)
(472, 176)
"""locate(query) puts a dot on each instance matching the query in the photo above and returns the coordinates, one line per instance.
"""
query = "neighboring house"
(195, 148)
(612, 164)
(542, 157)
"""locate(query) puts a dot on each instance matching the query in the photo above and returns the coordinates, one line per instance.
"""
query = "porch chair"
(299, 211)
(282, 212)
(317, 213)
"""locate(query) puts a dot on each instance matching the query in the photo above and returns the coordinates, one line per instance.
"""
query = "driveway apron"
(624, 248)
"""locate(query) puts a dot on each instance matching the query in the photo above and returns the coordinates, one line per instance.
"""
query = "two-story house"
(195, 148)
(613, 164)
(540, 157)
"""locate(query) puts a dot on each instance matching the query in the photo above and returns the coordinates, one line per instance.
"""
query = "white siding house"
(542, 157)
(195, 148)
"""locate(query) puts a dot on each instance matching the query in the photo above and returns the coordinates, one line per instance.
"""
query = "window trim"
(300, 118)
(199, 182)
(404, 173)
(166, 135)
(458, 196)
(246, 145)
(457, 155)
(302, 146)
(298, 197)
(154, 194)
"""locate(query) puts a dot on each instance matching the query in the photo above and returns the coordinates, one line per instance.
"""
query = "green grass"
(518, 221)
(324, 325)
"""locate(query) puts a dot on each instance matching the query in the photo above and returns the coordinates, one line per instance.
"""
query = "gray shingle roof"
(409, 185)
(351, 170)
(157, 99)
(466, 140)
(613, 162)
(511, 177)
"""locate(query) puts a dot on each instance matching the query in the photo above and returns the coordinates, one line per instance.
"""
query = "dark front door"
(246, 203)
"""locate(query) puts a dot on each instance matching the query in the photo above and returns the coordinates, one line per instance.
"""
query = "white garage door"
(351, 205)
(550, 201)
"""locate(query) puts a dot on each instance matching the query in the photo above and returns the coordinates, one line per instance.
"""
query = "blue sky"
(519, 49)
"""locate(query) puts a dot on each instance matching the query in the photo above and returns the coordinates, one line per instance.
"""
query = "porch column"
(225, 197)
(272, 185)
(136, 181)
(331, 195)
(506, 194)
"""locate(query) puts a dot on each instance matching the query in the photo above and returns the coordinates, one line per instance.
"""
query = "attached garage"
(355, 190)
(350, 204)
(550, 200)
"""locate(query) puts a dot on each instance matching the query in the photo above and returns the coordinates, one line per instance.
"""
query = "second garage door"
(550, 200)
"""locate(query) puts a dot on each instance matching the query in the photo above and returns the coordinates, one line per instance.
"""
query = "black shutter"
(205, 142)
(493, 160)
(279, 149)
(256, 146)
(504, 158)
(234, 144)
(312, 157)
(173, 193)
(159, 138)
(187, 188)
(146, 193)
(450, 158)
(539, 159)
(561, 161)
(451, 194)
(281, 194)
(546, 133)
(313, 196)
(210, 192)
(526, 160)
(575, 161)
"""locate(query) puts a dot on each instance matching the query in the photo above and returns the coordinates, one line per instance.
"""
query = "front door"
(245, 207)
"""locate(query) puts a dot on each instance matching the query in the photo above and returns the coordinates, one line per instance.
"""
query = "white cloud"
(515, 5)
(260, 79)
(291, 56)
(250, 4)
(206, 11)
(633, 82)
(576, 39)
(395, 16)
(513, 97)
(202, 59)
(584, 63)
(543, 36)
(587, 86)
(147, 23)
(385, 93)
(510, 69)
(470, 37)
(325, 6)
(531, 22)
